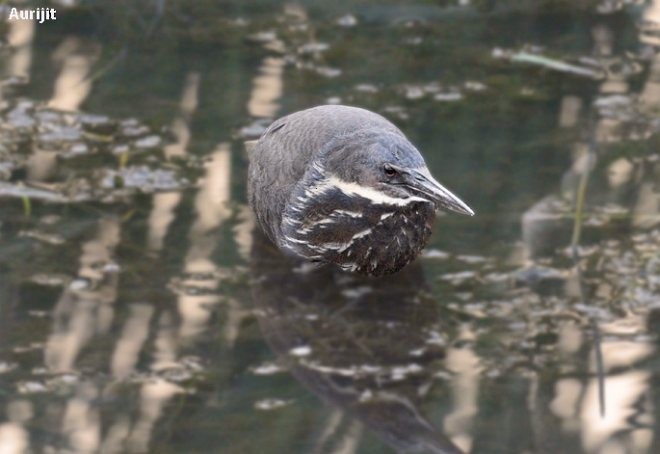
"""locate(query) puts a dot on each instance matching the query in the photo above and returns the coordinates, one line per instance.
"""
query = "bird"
(342, 185)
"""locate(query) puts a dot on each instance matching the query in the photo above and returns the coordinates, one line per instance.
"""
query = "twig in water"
(580, 198)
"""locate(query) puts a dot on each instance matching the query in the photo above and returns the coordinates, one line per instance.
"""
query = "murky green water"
(140, 312)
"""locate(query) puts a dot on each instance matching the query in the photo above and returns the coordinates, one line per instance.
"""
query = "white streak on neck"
(351, 214)
(369, 193)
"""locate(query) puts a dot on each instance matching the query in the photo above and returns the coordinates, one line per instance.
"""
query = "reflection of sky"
(95, 321)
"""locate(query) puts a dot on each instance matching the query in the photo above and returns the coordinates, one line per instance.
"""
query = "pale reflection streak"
(212, 209)
(243, 230)
(14, 437)
(650, 24)
(82, 421)
(623, 392)
(75, 58)
(154, 395)
(199, 288)
(180, 126)
(85, 308)
(20, 37)
(267, 89)
(134, 434)
(165, 343)
(569, 111)
(164, 204)
(330, 427)
(160, 218)
(130, 341)
(350, 440)
(465, 367)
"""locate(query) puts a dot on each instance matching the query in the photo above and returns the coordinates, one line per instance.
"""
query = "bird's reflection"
(371, 346)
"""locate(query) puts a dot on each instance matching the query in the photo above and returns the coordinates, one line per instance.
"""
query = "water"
(140, 312)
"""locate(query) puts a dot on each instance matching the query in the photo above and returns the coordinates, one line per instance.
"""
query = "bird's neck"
(357, 228)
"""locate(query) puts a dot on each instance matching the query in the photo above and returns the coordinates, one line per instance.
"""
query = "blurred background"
(140, 312)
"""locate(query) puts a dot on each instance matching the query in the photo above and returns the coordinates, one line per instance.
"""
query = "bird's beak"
(421, 181)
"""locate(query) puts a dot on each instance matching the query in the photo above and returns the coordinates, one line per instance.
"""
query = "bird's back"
(282, 154)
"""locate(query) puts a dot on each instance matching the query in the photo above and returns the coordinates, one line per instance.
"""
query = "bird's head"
(386, 164)
(366, 204)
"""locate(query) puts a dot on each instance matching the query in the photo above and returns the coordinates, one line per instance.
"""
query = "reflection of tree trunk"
(131, 340)
(263, 102)
(211, 204)
(154, 395)
(85, 308)
(182, 123)
(81, 422)
(464, 364)
(161, 217)
(14, 437)
(243, 230)
(20, 37)
(267, 88)
(165, 204)
(75, 57)
(650, 24)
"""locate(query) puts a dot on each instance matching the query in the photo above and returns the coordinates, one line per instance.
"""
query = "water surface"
(141, 312)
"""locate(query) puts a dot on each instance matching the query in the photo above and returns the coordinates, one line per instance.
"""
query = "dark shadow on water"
(366, 345)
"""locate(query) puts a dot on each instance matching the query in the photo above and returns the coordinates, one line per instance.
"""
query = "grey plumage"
(343, 185)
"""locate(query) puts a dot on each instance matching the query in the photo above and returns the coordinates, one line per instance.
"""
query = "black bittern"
(343, 185)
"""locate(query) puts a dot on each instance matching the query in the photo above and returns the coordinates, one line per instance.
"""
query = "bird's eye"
(389, 170)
